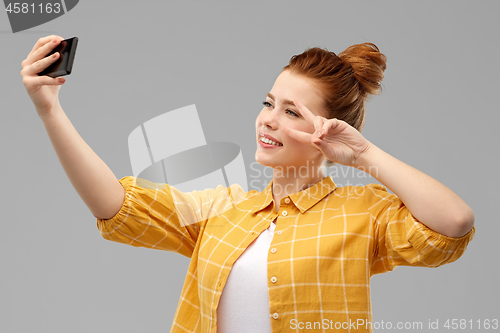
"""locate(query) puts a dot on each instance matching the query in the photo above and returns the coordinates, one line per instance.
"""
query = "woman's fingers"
(43, 47)
(319, 123)
(325, 133)
(30, 78)
(329, 126)
(304, 136)
(318, 142)
(298, 135)
(308, 115)
(41, 64)
(323, 146)
(44, 41)
(40, 42)
(42, 81)
(37, 61)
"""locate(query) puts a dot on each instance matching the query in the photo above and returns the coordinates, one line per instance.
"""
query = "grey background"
(139, 59)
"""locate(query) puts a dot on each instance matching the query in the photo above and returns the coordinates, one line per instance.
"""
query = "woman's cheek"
(285, 126)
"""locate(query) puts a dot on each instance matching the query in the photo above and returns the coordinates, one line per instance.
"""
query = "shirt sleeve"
(401, 240)
(159, 216)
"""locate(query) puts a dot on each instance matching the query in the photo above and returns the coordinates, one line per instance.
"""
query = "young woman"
(298, 255)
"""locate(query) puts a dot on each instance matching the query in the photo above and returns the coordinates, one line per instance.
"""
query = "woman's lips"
(268, 145)
(267, 136)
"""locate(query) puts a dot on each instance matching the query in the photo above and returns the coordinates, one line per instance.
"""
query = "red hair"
(345, 81)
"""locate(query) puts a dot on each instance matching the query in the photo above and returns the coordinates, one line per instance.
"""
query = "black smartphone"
(63, 65)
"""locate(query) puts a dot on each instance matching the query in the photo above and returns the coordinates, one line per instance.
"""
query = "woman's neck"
(286, 182)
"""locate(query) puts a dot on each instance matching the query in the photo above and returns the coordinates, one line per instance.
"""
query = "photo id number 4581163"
(462, 324)
(31, 8)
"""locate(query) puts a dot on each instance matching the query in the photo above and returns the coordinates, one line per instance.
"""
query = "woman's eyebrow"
(285, 101)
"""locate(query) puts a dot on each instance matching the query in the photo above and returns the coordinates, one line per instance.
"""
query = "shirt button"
(274, 279)
(287, 200)
(279, 232)
(275, 315)
(273, 250)
(284, 213)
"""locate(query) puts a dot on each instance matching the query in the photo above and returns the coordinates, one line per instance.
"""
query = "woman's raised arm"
(431, 202)
(90, 176)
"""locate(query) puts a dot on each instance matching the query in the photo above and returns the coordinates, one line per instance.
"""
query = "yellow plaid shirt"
(327, 243)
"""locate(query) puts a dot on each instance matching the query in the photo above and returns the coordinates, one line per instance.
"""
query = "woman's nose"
(269, 120)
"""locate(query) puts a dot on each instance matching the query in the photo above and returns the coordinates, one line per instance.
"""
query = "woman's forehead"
(289, 86)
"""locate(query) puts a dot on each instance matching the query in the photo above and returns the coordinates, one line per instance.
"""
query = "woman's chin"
(264, 161)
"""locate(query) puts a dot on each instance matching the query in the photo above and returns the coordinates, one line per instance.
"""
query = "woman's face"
(280, 113)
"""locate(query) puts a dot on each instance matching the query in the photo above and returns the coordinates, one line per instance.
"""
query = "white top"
(244, 302)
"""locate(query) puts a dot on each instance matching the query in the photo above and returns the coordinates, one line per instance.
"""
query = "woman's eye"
(269, 105)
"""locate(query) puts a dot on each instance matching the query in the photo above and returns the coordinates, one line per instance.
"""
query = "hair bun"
(368, 65)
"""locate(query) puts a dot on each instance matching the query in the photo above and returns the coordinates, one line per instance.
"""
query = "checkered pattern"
(328, 242)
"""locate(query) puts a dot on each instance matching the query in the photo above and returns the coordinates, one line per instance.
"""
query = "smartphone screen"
(63, 65)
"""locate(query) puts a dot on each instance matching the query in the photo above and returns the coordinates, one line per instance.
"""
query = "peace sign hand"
(336, 139)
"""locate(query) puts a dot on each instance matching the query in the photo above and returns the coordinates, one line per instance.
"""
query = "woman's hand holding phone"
(43, 90)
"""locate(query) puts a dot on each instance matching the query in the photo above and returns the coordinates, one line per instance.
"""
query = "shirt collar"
(304, 199)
